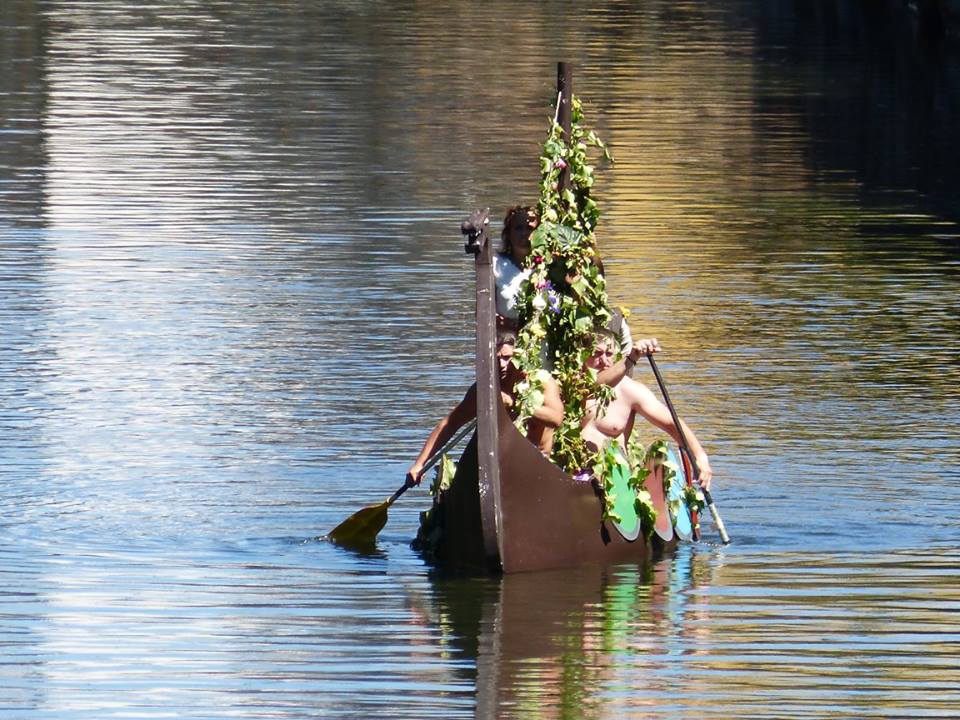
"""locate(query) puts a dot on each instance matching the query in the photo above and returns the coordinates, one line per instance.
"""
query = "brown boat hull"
(545, 519)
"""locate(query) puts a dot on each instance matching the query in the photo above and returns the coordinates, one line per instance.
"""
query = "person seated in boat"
(508, 265)
(631, 398)
(509, 276)
(508, 271)
(540, 428)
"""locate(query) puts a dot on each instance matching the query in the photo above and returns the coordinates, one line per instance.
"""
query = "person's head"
(604, 350)
(519, 223)
(506, 342)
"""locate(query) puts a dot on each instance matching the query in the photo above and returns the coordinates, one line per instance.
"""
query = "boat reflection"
(545, 644)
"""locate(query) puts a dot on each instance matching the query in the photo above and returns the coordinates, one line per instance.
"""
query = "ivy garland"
(564, 299)
(641, 462)
(562, 304)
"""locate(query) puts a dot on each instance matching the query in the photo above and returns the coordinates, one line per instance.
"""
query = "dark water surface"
(233, 301)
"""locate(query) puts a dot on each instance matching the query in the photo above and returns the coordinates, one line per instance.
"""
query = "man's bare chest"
(613, 420)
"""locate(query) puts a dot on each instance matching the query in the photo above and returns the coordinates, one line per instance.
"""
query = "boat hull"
(545, 519)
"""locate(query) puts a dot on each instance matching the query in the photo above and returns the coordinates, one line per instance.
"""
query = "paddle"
(685, 448)
(362, 527)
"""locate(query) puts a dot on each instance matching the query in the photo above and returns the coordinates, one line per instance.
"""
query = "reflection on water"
(743, 636)
(233, 299)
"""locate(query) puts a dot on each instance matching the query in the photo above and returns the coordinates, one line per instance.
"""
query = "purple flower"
(583, 476)
(553, 301)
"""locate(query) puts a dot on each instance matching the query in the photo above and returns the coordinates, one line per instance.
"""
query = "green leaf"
(581, 286)
(540, 237)
(584, 324)
(552, 148)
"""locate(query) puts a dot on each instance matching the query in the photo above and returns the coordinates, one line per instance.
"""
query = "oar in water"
(362, 527)
(685, 448)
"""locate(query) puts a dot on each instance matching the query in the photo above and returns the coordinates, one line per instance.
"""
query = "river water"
(234, 300)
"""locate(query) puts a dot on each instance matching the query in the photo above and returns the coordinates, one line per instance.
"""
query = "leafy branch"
(564, 300)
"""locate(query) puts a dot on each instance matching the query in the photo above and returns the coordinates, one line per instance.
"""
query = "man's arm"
(646, 403)
(546, 418)
(465, 411)
(550, 413)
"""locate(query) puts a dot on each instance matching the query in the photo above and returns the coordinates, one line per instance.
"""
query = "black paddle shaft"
(685, 448)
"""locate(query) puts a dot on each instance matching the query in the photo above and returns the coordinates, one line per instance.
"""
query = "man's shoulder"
(545, 377)
(631, 388)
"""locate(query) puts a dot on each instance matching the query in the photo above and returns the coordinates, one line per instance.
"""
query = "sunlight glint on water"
(234, 299)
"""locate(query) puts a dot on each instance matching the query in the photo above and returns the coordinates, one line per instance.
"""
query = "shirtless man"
(629, 398)
(540, 428)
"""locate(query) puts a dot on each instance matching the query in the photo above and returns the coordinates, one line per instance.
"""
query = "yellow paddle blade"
(362, 527)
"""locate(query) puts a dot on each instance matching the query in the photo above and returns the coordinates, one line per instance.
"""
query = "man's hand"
(647, 346)
(706, 473)
(414, 475)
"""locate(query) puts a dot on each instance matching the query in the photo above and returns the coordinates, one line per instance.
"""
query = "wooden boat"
(509, 509)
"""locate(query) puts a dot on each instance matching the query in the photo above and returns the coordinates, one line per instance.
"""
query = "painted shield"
(679, 512)
(623, 503)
